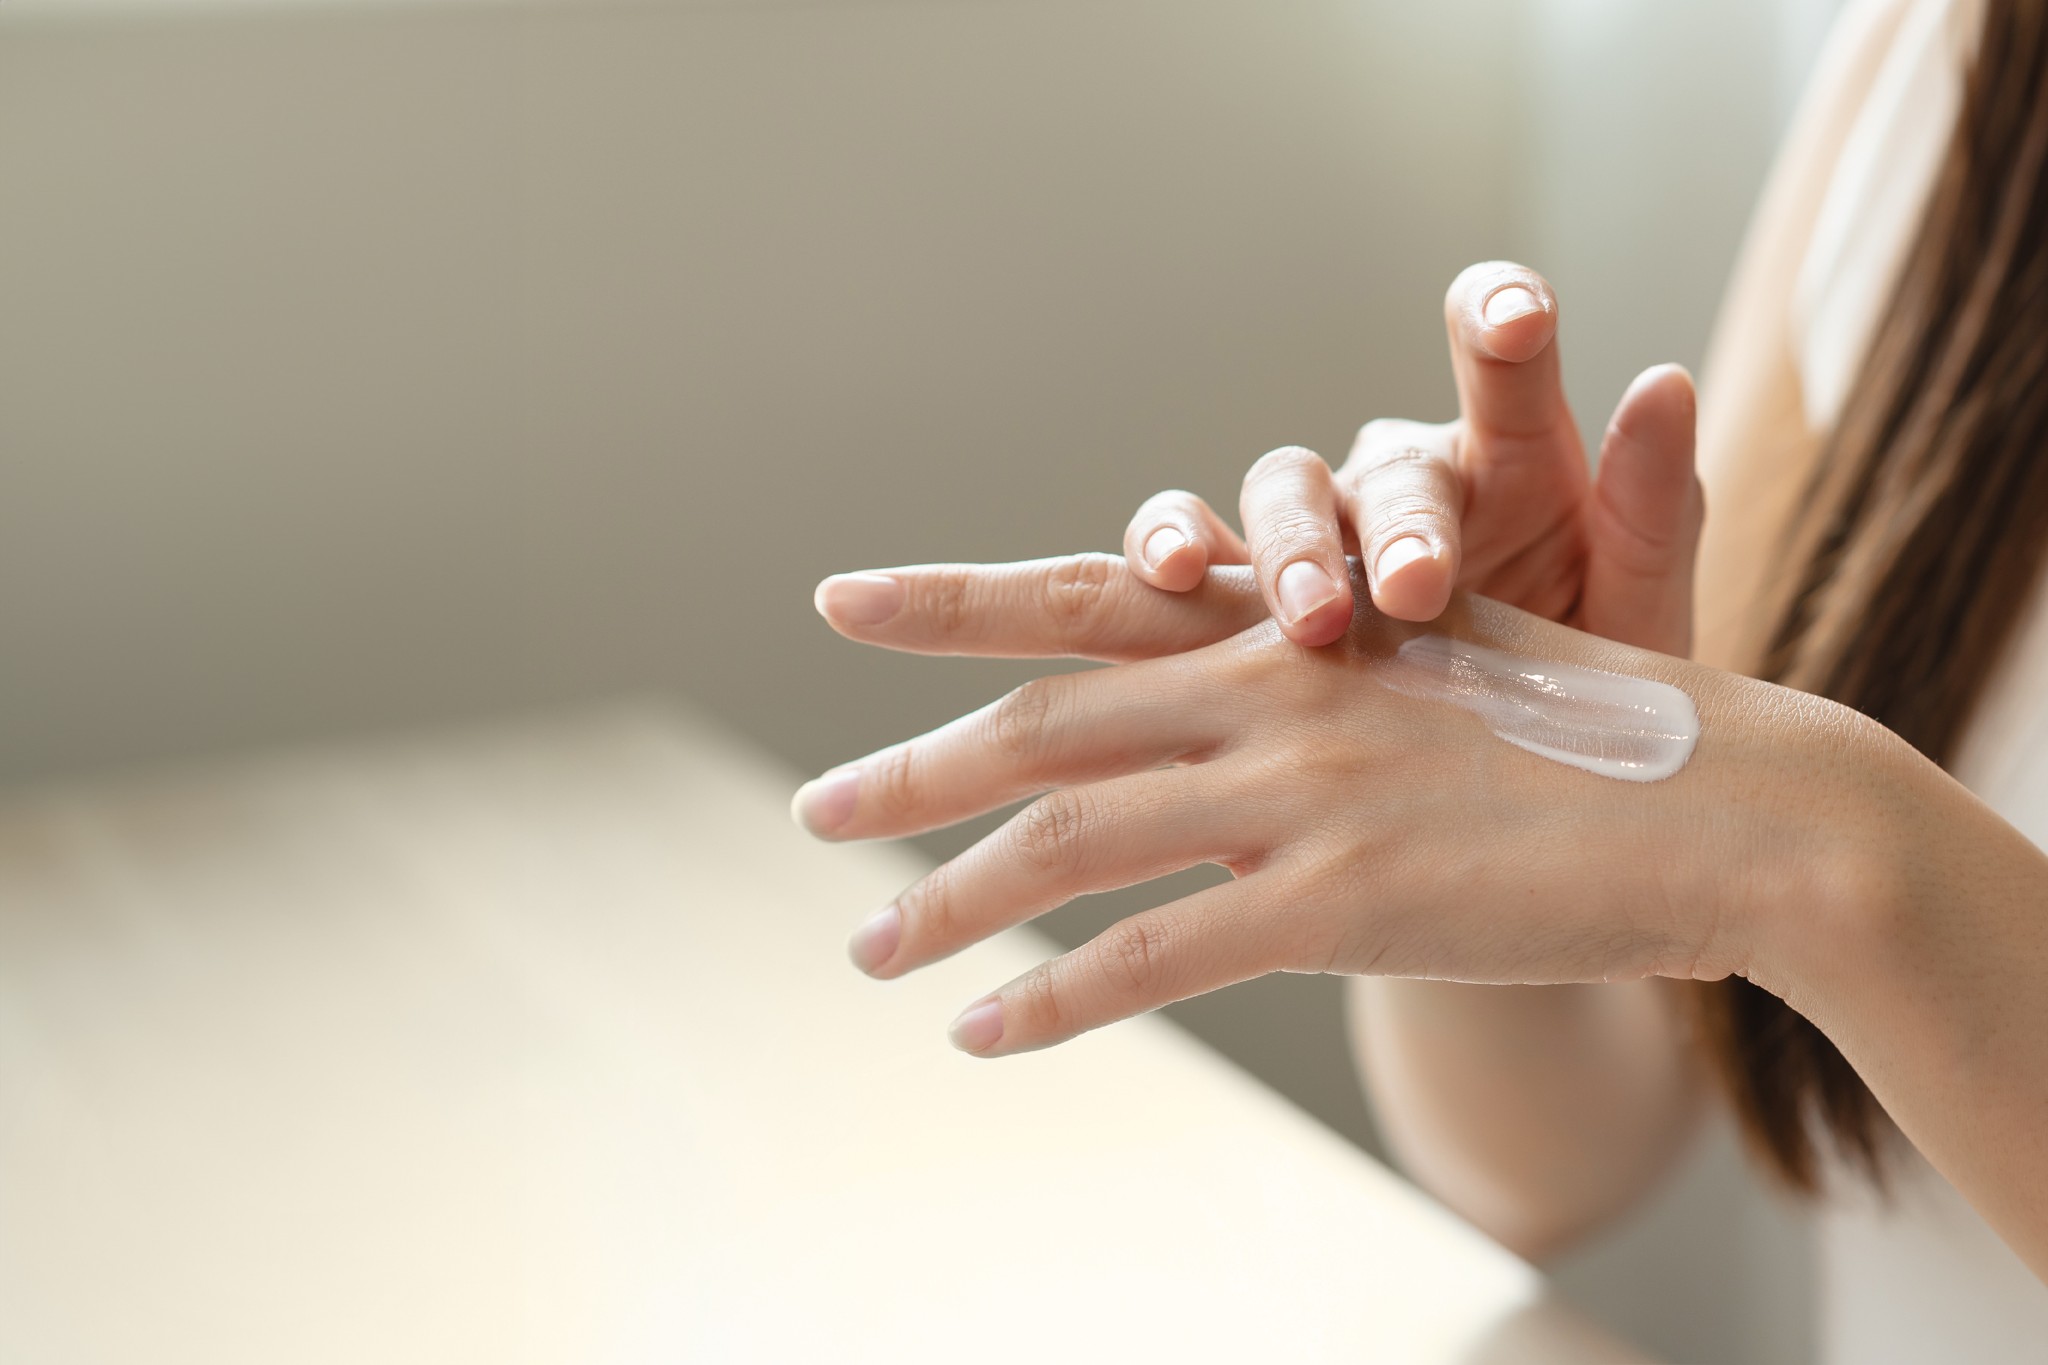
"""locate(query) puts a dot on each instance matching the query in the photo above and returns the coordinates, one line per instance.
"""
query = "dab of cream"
(1606, 723)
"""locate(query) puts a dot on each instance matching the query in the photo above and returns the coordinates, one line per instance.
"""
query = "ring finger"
(1068, 843)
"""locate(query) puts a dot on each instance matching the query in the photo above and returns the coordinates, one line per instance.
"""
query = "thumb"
(1643, 525)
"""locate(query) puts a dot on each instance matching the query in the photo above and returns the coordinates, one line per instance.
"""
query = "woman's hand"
(1370, 832)
(1498, 502)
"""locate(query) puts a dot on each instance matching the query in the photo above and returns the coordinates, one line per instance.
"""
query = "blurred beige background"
(377, 364)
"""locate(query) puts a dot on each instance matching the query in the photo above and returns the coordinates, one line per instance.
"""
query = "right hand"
(1499, 502)
(1344, 809)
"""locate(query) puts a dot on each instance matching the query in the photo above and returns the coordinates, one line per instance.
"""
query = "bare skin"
(1498, 502)
(1907, 925)
(1803, 846)
(1543, 1114)
(1538, 1114)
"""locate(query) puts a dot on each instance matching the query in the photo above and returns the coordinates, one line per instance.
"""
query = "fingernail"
(979, 1027)
(1399, 555)
(859, 599)
(825, 803)
(1303, 588)
(875, 941)
(1162, 544)
(1505, 305)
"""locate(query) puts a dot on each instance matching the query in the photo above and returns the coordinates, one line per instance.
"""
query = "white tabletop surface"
(538, 1044)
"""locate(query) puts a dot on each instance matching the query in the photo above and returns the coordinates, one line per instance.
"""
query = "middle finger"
(1402, 492)
(1088, 606)
(1289, 508)
(1051, 732)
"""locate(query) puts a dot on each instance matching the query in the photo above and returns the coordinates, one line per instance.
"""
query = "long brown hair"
(1921, 535)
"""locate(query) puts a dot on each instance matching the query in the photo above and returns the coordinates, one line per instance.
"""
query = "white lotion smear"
(1606, 723)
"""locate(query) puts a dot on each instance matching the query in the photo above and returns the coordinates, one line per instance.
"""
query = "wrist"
(1820, 881)
(1848, 898)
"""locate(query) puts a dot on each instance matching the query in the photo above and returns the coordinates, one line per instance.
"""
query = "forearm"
(1928, 968)
(1537, 1112)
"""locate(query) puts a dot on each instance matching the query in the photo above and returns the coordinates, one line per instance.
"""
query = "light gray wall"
(370, 365)
(367, 369)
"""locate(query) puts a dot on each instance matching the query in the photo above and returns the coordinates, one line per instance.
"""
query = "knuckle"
(892, 778)
(1052, 833)
(1134, 954)
(1286, 533)
(1041, 1000)
(1404, 511)
(1022, 719)
(948, 603)
(929, 906)
(1407, 459)
(1075, 589)
(1285, 461)
(1394, 443)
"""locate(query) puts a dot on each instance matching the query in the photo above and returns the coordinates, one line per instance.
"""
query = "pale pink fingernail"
(825, 803)
(1510, 303)
(875, 941)
(1399, 555)
(1303, 588)
(979, 1027)
(1162, 545)
(859, 599)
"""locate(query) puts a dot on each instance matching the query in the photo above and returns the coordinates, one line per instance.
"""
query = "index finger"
(1502, 320)
(1087, 606)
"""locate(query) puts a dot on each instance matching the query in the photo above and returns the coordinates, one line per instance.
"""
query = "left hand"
(1497, 502)
(1369, 832)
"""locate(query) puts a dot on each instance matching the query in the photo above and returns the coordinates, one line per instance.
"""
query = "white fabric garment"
(1924, 1279)
(1874, 199)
